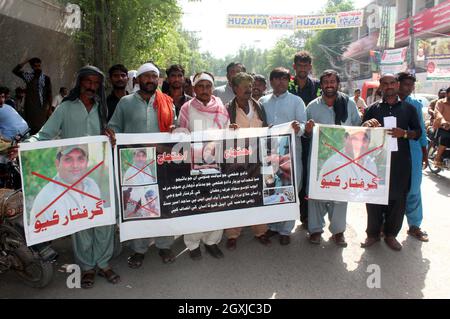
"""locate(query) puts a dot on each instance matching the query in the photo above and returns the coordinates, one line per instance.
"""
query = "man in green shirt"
(146, 111)
(84, 113)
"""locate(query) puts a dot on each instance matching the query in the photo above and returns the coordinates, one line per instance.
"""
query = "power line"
(323, 47)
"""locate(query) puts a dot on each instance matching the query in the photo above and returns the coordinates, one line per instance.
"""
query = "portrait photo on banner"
(141, 202)
(138, 166)
(349, 164)
(67, 187)
(276, 170)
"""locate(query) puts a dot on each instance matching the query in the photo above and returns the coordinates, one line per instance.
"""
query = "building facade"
(417, 24)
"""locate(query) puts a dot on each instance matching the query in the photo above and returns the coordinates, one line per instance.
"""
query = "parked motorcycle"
(432, 151)
(31, 264)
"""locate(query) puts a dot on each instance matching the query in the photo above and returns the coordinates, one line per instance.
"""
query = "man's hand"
(372, 123)
(397, 132)
(309, 126)
(111, 135)
(234, 126)
(296, 126)
(424, 157)
(445, 125)
(172, 128)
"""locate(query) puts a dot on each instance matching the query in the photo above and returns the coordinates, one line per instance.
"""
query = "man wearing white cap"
(146, 111)
(204, 112)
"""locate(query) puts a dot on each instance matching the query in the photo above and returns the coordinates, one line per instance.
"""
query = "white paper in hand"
(391, 122)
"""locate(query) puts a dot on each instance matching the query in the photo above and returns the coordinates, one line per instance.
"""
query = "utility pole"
(384, 29)
(412, 46)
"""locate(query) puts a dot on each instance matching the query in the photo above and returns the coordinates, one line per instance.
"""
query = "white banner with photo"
(67, 187)
(350, 164)
(181, 183)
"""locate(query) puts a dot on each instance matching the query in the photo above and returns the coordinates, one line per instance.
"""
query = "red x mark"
(65, 185)
(352, 161)
(140, 170)
(68, 188)
(143, 206)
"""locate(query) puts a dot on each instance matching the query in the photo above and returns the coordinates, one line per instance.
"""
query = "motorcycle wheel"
(26, 264)
(432, 150)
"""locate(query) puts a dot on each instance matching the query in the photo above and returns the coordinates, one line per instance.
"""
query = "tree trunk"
(99, 35)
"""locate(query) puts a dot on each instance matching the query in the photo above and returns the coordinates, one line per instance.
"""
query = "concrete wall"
(35, 28)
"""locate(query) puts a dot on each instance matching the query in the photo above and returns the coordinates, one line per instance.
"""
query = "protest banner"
(350, 164)
(67, 187)
(338, 20)
(394, 61)
(186, 183)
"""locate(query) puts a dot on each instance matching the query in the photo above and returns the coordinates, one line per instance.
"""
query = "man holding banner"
(331, 108)
(146, 111)
(284, 107)
(402, 120)
(84, 113)
(204, 112)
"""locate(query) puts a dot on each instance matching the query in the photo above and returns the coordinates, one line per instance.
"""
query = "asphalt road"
(300, 270)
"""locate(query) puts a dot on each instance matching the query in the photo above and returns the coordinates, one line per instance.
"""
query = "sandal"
(263, 239)
(88, 279)
(167, 256)
(110, 275)
(135, 261)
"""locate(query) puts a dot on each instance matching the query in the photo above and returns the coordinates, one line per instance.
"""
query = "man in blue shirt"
(283, 107)
(419, 155)
(11, 123)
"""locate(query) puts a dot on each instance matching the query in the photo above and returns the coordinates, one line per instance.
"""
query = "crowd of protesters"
(148, 100)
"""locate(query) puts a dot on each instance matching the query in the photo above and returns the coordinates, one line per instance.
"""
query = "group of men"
(241, 103)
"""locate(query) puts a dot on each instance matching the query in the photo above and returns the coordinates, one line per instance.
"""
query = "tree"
(327, 46)
(134, 31)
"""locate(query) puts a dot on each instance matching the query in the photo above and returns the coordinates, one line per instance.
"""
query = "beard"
(148, 88)
(330, 92)
(390, 93)
(119, 86)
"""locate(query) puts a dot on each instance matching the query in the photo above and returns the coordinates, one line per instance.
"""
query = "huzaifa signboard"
(175, 184)
(339, 20)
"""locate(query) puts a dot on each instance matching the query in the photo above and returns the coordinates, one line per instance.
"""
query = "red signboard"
(433, 19)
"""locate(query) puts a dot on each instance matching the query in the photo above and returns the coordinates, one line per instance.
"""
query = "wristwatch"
(405, 136)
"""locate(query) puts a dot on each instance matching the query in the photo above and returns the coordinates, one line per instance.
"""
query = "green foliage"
(134, 31)
(327, 46)
(42, 161)
(331, 136)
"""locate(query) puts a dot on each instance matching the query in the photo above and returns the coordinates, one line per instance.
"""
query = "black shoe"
(195, 254)
(270, 233)
(214, 251)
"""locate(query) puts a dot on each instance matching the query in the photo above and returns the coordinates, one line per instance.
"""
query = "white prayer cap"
(132, 74)
(147, 67)
(203, 77)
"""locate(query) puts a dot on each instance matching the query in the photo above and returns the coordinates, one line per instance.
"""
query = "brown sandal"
(110, 275)
(88, 279)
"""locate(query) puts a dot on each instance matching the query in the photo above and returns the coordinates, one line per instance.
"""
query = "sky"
(208, 19)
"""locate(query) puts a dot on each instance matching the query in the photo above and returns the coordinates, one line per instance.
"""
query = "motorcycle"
(33, 265)
(432, 151)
